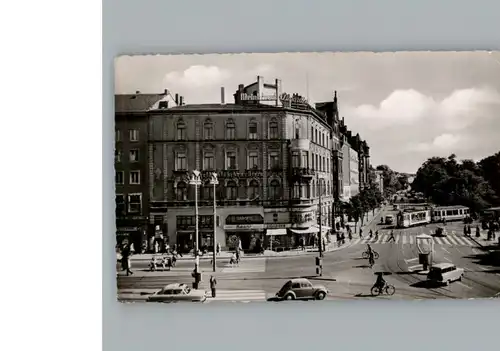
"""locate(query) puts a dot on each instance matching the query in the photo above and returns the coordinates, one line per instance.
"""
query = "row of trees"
(446, 181)
(393, 181)
(368, 199)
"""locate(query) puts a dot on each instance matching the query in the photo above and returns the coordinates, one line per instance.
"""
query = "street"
(345, 273)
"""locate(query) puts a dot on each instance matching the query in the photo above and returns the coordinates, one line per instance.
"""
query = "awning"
(309, 230)
(281, 231)
(323, 227)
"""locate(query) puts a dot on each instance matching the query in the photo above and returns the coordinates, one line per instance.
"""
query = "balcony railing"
(303, 172)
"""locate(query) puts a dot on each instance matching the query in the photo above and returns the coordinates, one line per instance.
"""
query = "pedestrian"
(392, 238)
(213, 285)
(469, 230)
(218, 249)
(478, 231)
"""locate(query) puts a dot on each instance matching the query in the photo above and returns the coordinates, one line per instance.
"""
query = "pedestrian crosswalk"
(409, 239)
(239, 295)
(249, 265)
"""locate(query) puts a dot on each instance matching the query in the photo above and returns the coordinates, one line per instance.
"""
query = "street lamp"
(196, 181)
(214, 182)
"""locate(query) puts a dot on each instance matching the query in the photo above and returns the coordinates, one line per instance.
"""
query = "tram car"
(407, 219)
(450, 213)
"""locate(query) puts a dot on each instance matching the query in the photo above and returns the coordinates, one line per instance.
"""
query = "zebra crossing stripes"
(239, 295)
(250, 265)
(450, 240)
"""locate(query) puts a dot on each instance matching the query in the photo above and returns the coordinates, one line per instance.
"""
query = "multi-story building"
(131, 165)
(272, 154)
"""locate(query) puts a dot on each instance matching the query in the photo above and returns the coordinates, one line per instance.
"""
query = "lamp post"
(196, 181)
(214, 182)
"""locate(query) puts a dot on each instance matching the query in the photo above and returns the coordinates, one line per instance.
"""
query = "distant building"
(379, 181)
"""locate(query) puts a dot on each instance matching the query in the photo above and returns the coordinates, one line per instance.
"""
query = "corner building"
(269, 156)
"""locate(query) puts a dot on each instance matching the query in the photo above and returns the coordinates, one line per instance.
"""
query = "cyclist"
(369, 249)
(380, 283)
(376, 235)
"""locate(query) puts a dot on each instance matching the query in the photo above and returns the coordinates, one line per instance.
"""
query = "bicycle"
(388, 289)
(365, 255)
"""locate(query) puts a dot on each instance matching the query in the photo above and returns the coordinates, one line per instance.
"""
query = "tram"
(450, 213)
(413, 217)
(407, 219)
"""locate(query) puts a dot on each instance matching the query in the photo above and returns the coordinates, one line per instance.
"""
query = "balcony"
(300, 144)
(301, 172)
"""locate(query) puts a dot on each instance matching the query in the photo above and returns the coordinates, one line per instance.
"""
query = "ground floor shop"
(131, 231)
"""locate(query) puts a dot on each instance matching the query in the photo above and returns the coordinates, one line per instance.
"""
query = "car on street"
(441, 231)
(178, 293)
(389, 219)
(445, 273)
(301, 289)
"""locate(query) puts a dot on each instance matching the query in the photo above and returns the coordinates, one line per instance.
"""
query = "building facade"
(131, 165)
(273, 160)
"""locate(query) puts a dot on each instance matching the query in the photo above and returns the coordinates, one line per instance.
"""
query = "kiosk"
(425, 246)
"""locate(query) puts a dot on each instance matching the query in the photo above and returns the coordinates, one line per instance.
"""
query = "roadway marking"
(464, 285)
(411, 240)
(468, 242)
(453, 240)
(404, 239)
(446, 250)
(475, 252)
(461, 241)
(447, 259)
(415, 267)
(397, 239)
(411, 260)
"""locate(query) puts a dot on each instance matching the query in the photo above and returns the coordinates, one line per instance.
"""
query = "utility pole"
(214, 182)
(320, 236)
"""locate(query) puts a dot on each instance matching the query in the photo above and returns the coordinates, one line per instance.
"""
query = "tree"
(490, 169)
(390, 180)
(446, 181)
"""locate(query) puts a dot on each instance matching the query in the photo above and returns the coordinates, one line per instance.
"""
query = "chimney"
(222, 96)
(181, 100)
(165, 92)
(137, 92)
(177, 99)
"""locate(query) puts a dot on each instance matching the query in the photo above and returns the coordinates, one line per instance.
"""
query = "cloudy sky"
(408, 106)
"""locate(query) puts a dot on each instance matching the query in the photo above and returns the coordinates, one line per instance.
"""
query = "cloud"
(197, 76)
(444, 142)
(402, 107)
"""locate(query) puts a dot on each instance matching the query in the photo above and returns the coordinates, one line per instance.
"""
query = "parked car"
(301, 289)
(178, 293)
(445, 273)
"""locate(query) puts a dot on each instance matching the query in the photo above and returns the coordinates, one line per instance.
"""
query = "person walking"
(392, 238)
(213, 285)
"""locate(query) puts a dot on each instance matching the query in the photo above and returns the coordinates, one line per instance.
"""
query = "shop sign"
(245, 219)
(127, 229)
(278, 225)
(244, 226)
(294, 101)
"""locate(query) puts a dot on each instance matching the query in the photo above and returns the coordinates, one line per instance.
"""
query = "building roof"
(135, 102)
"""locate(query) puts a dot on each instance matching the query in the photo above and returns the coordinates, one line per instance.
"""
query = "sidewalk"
(330, 247)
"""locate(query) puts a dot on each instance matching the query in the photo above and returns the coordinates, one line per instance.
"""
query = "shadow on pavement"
(310, 277)
(426, 284)
(406, 273)
(490, 256)
(363, 295)
(362, 266)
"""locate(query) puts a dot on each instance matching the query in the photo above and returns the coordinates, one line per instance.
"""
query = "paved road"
(345, 273)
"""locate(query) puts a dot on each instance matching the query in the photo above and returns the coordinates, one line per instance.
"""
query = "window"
(208, 160)
(312, 133)
(274, 160)
(296, 191)
(135, 177)
(181, 161)
(120, 205)
(133, 135)
(273, 130)
(295, 160)
(134, 155)
(328, 165)
(231, 190)
(252, 130)
(305, 160)
(318, 166)
(208, 130)
(231, 160)
(134, 203)
(275, 190)
(118, 135)
(296, 286)
(313, 166)
(253, 190)
(316, 136)
(181, 131)
(297, 132)
(230, 130)
(313, 189)
(181, 191)
(118, 156)
(119, 177)
(207, 192)
(324, 163)
(253, 160)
